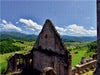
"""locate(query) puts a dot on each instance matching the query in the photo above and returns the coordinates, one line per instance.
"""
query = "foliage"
(3, 69)
(18, 36)
(26, 46)
(78, 51)
(11, 45)
(79, 39)
(32, 37)
(92, 47)
(6, 46)
(77, 54)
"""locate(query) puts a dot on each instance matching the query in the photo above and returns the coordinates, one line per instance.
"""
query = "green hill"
(32, 37)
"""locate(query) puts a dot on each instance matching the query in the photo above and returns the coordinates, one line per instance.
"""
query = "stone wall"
(56, 61)
(12, 62)
(49, 38)
(50, 51)
(86, 66)
(48, 71)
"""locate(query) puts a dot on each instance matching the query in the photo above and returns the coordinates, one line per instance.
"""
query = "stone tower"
(97, 71)
(50, 51)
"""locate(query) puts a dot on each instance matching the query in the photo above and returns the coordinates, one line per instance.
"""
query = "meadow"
(77, 50)
(26, 46)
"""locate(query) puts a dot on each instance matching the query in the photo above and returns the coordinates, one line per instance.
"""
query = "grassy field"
(76, 56)
(76, 60)
(76, 43)
(4, 57)
(26, 45)
(77, 52)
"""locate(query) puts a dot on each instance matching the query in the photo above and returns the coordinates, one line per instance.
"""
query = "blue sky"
(70, 17)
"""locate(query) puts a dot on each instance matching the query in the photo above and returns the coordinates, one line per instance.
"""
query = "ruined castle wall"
(79, 69)
(48, 39)
(12, 62)
(12, 65)
(40, 61)
(50, 51)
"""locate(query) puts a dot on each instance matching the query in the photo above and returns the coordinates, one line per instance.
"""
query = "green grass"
(26, 46)
(5, 57)
(3, 64)
(76, 60)
(77, 53)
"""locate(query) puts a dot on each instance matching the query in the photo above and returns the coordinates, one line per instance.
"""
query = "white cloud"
(73, 29)
(76, 30)
(61, 29)
(30, 24)
(62, 33)
(17, 22)
(9, 25)
(81, 30)
(4, 21)
(92, 27)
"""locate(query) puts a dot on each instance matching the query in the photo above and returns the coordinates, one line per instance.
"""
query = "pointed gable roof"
(49, 38)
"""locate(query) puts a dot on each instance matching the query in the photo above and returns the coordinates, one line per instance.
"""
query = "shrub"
(3, 69)
(92, 47)
(76, 52)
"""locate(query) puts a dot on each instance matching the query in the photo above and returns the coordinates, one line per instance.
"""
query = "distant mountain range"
(32, 37)
(18, 36)
(80, 38)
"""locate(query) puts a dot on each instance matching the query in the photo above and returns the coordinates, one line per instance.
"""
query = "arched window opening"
(30, 61)
(20, 63)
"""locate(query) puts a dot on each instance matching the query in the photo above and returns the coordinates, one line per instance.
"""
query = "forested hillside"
(6, 46)
(32, 37)
(9, 46)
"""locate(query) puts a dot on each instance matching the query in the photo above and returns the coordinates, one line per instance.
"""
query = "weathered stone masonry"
(48, 51)
(12, 62)
(85, 66)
